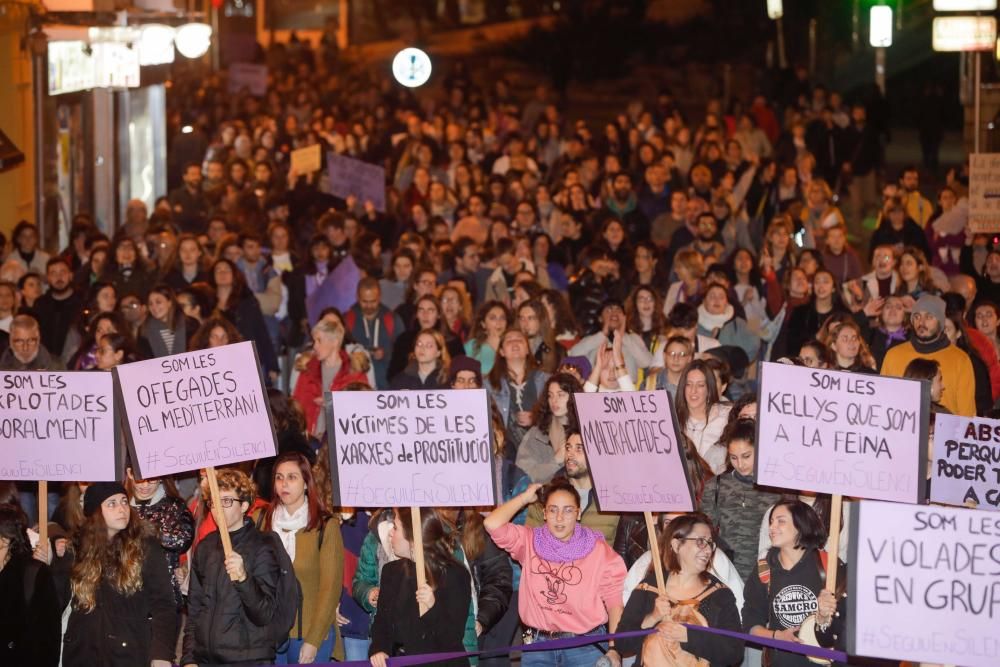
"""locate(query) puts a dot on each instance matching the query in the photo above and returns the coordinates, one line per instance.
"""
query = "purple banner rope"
(587, 640)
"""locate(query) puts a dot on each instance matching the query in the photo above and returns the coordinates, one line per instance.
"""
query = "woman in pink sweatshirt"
(571, 580)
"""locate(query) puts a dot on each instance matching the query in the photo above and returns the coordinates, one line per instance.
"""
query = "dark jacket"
(152, 345)
(399, 629)
(410, 379)
(55, 317)
(718, 608)
(228, 621)
(588, 293)
(30, 630)
(492, 576)
(174, 526)
(249, 321)
(126, 630)
(403, 347)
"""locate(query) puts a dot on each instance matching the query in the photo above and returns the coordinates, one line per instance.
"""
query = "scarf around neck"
(712, 322)
(288, 525)
(554, 550)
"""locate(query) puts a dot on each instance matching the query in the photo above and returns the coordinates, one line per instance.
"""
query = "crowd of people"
(518, 252)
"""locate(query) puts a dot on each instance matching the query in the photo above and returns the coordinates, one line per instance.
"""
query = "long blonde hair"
(118, 559)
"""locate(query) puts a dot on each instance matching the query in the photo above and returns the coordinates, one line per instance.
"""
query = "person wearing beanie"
(465, 373)
(123, 610)
(929, 341)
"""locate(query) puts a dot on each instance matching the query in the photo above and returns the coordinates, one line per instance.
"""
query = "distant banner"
(924, 584)
(633, 452)
(197, 409)
(965, 468)
(984, 192)
(58, 426)
(411, 448)
(249, 76)
(353, 177)
(842, 433)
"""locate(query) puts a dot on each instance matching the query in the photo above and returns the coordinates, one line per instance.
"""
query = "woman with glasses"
(677, 354)
(429, 363)
(693, 594)
(456, 310)
(814, 354)
(571, 580)
(788, 585)
(424, 283)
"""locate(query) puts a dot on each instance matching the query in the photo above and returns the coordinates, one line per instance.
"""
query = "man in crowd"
(374, 327)
(57, 310)
(188, 202)
(26, 352)
(930, 342)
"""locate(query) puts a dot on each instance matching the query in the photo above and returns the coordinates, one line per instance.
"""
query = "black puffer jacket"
(126, 630)
(228, 621)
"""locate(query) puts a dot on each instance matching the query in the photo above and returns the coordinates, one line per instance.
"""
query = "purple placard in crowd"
(349, 176)
(197, 409)
(633, 453)
(923, 584)
(57, 426)
(411, 448)
(965, 468)
(842, 433)
(251, 76)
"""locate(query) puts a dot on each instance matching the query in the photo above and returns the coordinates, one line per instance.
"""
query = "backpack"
(289, 591)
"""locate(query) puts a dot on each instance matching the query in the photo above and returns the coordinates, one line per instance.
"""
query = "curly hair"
(117, 559)
(199, 341)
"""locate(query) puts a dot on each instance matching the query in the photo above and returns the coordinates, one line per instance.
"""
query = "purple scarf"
(554, 550)
(894, 336)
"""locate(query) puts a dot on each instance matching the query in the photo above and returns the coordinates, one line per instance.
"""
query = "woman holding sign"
(691, 595)
(123, 609)
(788, 585)
(571, 580)
(413, 619)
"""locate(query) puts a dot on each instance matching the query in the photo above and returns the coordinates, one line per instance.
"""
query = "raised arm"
(503, 514)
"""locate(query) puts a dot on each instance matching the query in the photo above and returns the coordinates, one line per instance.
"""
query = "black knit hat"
(97, 493)
(464, 363)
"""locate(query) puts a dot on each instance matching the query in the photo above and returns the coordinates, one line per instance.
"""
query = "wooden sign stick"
(43, 513)
(418, 550)
(654, 550)
(807, 631)
(220, 518)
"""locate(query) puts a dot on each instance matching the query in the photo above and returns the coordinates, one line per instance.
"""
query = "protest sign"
(965, 466)
(410, 448)
(194, 410)
(633, 452)
(306, 160)
(249, 76)
(923, 584)
(58, 426)
(842, 433)
(354, 177)
(984, 192)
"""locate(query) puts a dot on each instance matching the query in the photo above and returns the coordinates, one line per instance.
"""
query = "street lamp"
(880, 36)
(193, 39)
(411, 67)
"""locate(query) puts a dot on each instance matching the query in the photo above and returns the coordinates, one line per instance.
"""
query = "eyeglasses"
(701, 542)
(426, 345)
(24, 342)
(554, 511)
(225, 502)
(678, 355)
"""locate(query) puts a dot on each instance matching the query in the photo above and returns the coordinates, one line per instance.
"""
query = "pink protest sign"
(197, 409)
(842, 433)
(965, 468)
(57, 427)
(411, 448)
(633, 453)
(923, 584)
